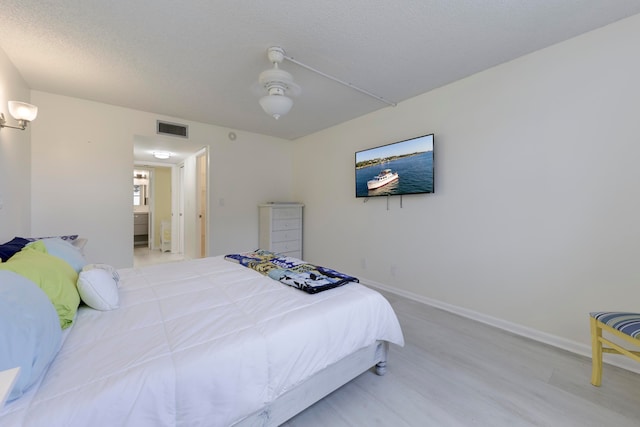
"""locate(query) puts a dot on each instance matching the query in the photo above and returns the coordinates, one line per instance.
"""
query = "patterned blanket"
(292, 271)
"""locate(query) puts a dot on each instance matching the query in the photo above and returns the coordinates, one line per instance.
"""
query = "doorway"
(188, 216)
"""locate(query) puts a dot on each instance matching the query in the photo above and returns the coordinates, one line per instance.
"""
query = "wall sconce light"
(22, 112)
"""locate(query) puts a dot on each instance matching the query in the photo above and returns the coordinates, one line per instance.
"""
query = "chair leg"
(596, 350)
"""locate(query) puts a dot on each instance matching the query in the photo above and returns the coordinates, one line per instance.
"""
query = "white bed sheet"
(200, 342)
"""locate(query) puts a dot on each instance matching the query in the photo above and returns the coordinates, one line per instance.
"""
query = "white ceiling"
(199, 59)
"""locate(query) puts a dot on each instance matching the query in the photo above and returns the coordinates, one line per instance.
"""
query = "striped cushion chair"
(620, 324)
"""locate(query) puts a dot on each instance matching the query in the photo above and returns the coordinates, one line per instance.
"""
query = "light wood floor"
(456, 372)
(143, 256)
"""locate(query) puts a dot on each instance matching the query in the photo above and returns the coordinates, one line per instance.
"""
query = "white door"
(181, 211)
(201, 202)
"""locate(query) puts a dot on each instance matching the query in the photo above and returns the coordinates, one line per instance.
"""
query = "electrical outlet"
(363, 263)
(392, 270)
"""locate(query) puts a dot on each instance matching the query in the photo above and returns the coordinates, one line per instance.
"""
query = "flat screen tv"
(404, 167)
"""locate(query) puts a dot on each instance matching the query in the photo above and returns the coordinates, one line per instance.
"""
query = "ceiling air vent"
(172, 129)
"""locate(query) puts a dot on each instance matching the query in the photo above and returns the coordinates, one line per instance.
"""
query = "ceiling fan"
(279, 85)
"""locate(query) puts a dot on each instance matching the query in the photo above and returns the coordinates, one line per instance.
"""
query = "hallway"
(143, 256)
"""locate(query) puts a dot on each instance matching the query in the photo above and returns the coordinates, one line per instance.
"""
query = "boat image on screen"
(383, 178)
(404, 167)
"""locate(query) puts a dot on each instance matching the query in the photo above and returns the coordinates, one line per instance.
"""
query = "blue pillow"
(65, 250)
(30, 334)
(7, 250)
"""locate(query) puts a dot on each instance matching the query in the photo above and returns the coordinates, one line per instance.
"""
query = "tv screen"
(404, 167)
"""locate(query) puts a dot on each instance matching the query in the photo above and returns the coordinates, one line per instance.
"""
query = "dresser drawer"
(287, 213)
(287, 224)
(290, 246)
(286, 235)
(293, 254)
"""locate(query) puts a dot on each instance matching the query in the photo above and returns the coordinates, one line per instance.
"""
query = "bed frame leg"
(381, 354)
(381, 367)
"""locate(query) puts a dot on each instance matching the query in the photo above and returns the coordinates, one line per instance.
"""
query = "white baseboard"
(534, 334)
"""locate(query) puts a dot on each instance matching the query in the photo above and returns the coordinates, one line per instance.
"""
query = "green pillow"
(53, 275)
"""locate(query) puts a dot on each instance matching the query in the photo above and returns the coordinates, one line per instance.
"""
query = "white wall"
(15, 164)
(82, 158)
(534, 222)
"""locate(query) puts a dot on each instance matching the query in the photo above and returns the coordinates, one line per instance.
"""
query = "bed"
(207, 342)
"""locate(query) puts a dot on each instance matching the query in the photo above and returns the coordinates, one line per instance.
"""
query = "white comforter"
(202, 342)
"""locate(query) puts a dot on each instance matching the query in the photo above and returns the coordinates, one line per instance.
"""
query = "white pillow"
(107, 267)
(98, 289)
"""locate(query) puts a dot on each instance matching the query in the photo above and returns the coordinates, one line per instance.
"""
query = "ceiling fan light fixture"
(276, 105)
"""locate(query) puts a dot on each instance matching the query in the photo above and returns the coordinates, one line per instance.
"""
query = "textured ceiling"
(199, 59)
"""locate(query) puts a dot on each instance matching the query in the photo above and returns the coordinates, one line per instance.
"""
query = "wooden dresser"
(280, 228)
